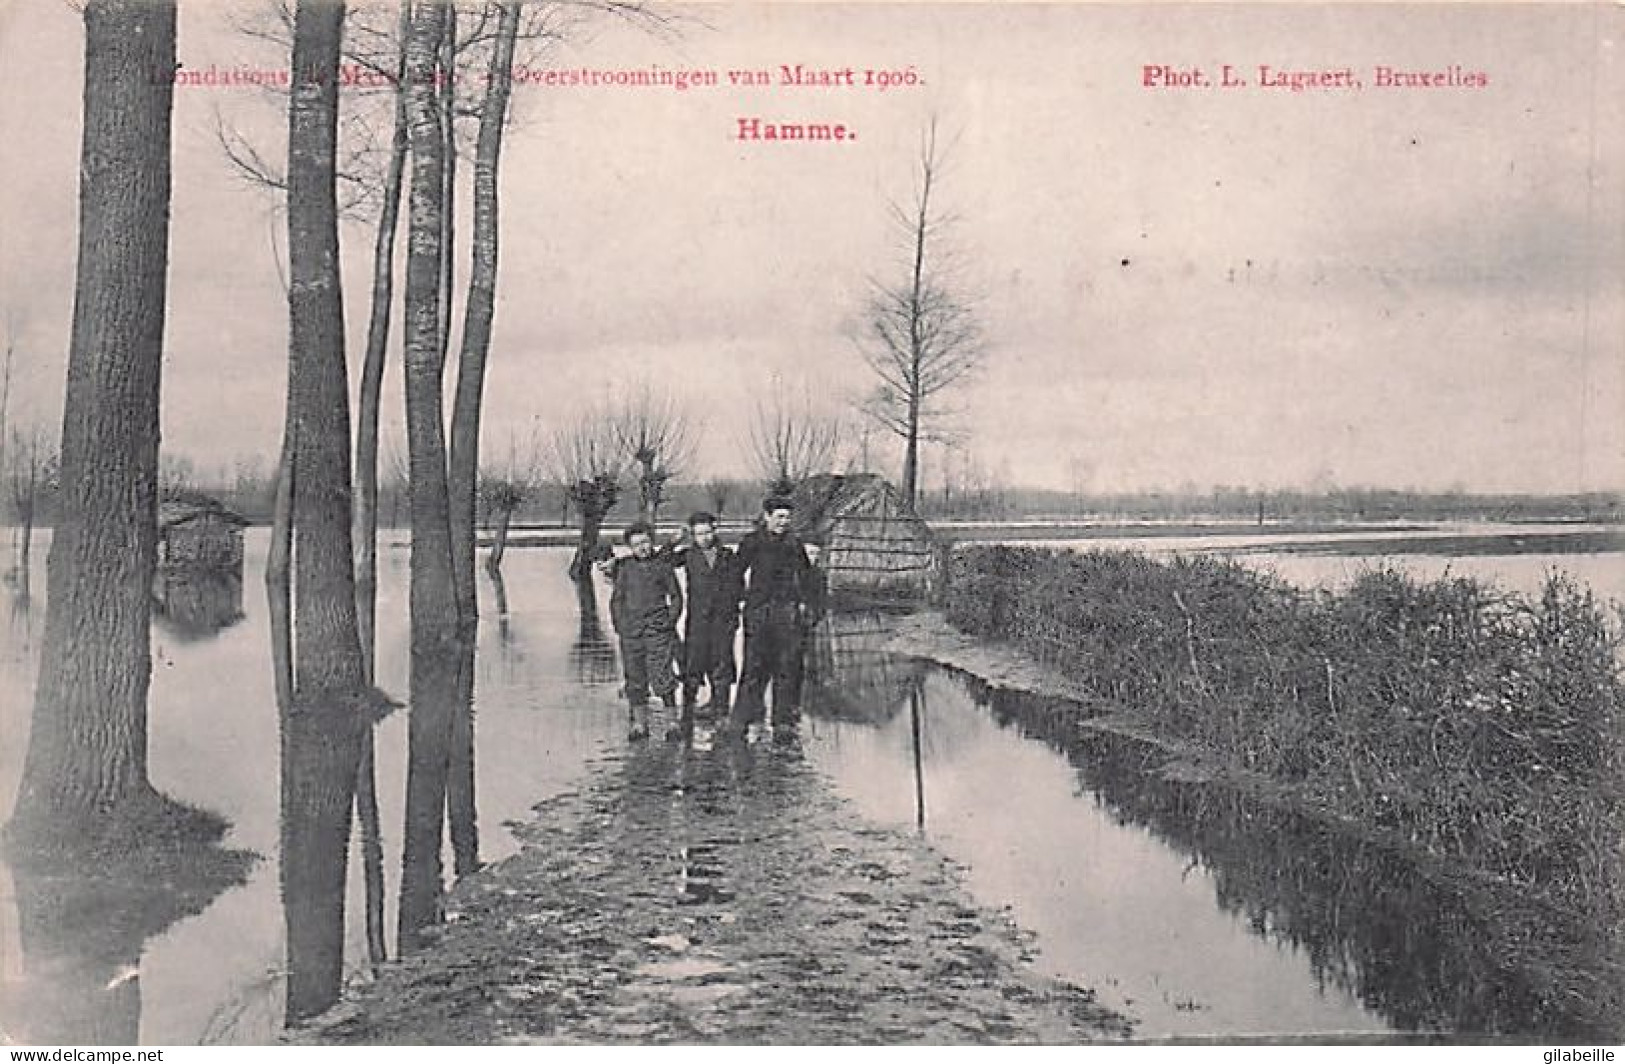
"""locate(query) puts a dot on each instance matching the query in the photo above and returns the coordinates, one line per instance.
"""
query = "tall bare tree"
(480, 311)
(657, 436)
(922, 332)
(790, 438)
(435, 627)
(327, 718)
(588, 462)
(85, 773)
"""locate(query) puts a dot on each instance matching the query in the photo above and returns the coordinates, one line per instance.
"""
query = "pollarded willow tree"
(922, 334)
(657, 436)
(588, 462)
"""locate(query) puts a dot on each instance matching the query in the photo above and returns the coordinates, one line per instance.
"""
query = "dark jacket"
(775, 570)
(713, 587)
(646, 597)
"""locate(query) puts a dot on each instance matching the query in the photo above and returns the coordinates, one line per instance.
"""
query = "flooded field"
(545, 706)
(1186, 910)
(1514, 557)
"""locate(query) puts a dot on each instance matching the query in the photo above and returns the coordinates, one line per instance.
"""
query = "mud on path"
(726, 895)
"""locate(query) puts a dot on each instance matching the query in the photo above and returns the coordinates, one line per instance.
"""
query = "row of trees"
(85, 787)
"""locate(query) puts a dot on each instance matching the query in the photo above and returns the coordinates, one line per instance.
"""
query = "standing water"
(1186, 907)
(1183, 906)
(544, 706)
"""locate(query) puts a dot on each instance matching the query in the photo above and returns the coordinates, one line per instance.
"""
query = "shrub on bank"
(1481, 725)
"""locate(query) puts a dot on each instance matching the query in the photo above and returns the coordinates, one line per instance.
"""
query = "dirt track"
(689, 894)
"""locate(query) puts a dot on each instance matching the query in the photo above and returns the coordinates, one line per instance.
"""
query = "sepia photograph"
(612, 522)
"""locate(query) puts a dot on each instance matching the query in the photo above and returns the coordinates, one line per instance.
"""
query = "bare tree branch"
(656, 434)
(790, 439)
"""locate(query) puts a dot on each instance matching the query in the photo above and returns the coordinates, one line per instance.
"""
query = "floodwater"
(1188, 912)
(1335, 559)
(1185, 907)
(544, 705)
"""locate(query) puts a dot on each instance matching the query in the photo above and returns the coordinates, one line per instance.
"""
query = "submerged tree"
(435, 626)
(29, 467)
(587, 461)
(922, 334)
(85, 774)
(507, 484)
(327, 715)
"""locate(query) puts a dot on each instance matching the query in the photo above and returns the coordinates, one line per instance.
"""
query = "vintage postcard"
(615, 522)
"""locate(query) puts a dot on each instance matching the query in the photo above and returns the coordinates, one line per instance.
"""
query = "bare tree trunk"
(278, 560)
(25, 518)
(479, 315)
(366, 512)
(499, 592)
(592, 520)
(499, 540)
(480, 312)
(446, 101)
(911, 455)
(323, 731)
(911, 452)
(372, 378)
(462, 814)
(433, 604)
(86, 765)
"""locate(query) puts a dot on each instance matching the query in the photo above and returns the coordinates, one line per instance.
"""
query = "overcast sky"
(1407, 287)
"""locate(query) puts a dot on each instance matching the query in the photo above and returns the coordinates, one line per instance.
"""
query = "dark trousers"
(773, 647)
(709, 654)
(646, 658)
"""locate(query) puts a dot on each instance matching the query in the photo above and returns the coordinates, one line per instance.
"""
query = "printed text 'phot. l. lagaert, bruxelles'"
(1276, 77)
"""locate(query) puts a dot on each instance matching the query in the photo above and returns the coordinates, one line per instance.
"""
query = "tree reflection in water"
(81, 931)
(592, 655)
(1425, 955)
(1423, 951)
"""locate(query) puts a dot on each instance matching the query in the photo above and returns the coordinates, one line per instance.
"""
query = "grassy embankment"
(1482, 727)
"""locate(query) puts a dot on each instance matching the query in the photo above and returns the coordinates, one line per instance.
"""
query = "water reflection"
(850, 677)
(1369, 920)
(196, 603)
(80, 934)
(219, 976)
(1186, 905)
(592, 655)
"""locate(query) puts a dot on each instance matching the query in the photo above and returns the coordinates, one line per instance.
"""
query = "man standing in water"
(777, 584)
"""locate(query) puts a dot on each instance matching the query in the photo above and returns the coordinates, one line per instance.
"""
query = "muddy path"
(696, 894)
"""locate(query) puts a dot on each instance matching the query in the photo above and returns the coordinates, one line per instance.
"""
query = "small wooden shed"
(875, 548)
(197, 531)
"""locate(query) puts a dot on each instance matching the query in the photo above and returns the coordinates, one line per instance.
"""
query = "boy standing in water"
(713, 575)
(644, 607)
